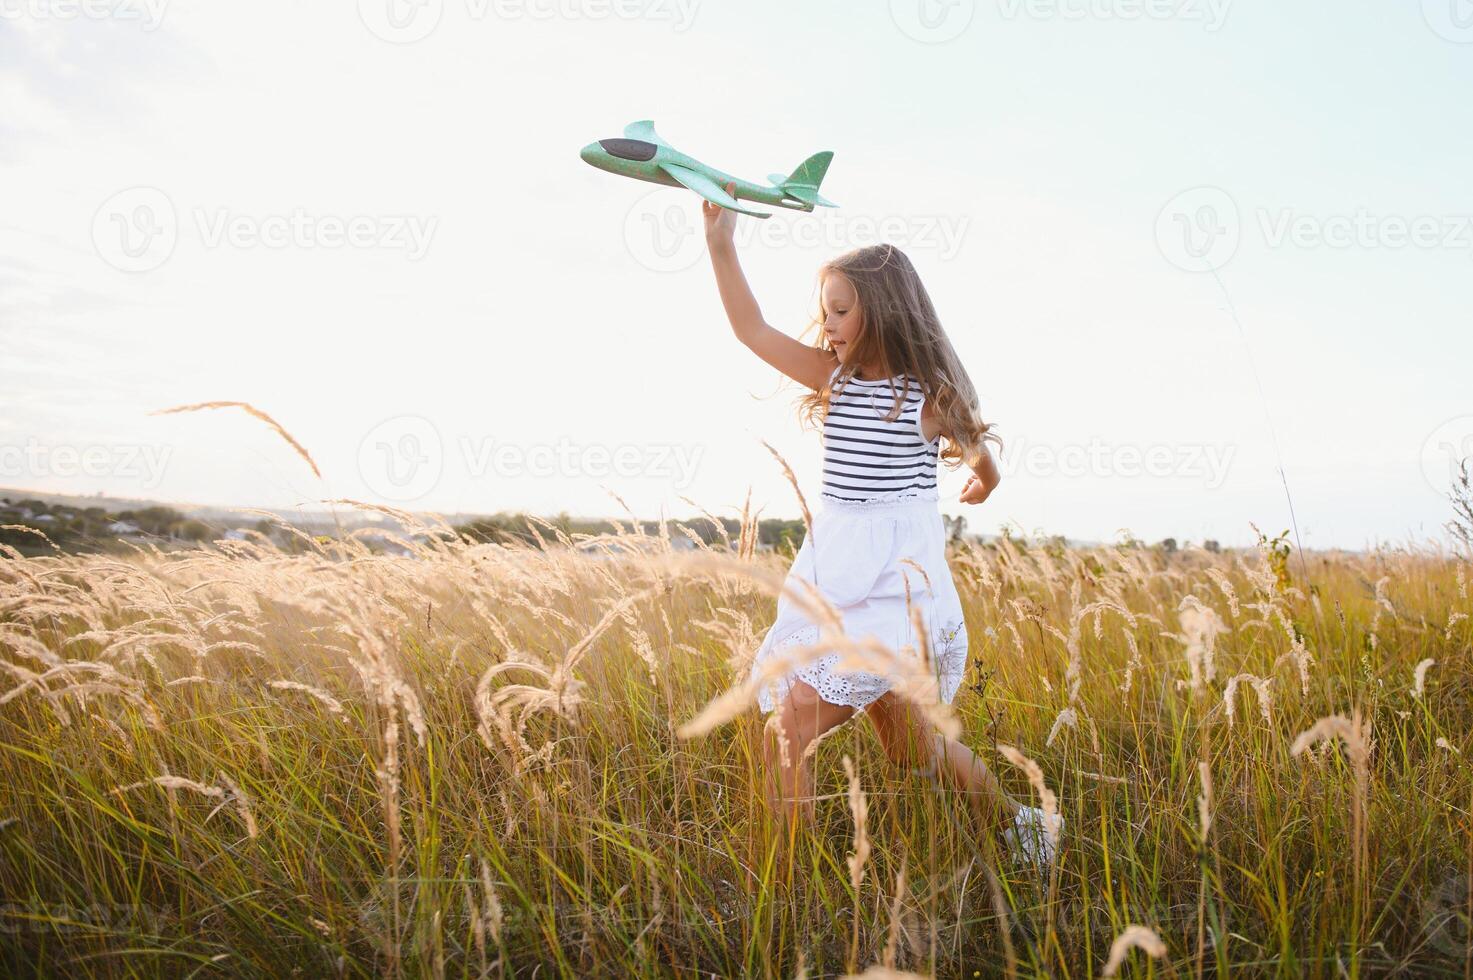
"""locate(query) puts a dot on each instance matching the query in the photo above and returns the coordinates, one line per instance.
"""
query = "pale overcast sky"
(370, 220)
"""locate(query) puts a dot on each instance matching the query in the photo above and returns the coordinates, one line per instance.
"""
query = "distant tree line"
(505, 528)
(91, 529)
(95, 529)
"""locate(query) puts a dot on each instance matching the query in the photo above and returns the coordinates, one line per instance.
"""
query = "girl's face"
(841, 315)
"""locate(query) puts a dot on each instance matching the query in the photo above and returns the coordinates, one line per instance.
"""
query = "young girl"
(888, 387)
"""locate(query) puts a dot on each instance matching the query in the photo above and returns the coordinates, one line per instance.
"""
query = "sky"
(1194, 253)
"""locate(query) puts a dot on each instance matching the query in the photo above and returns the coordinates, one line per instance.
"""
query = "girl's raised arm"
(805, 365)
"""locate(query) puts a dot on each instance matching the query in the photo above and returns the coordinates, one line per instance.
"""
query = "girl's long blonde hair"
(900, 331)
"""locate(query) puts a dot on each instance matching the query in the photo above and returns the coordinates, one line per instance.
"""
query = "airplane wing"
(645, 130)
(708, 188)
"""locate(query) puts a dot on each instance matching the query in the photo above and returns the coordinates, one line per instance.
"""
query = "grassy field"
(478, 761)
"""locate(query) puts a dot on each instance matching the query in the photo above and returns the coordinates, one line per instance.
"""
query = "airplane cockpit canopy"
(629, 149)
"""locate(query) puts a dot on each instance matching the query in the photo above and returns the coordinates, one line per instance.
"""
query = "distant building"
(123, 527)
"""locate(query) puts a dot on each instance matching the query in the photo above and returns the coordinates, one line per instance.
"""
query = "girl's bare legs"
(911, 741)
(801, 719)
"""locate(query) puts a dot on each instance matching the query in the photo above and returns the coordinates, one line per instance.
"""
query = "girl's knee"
(787, 737)
(805, 716)
(906, 742)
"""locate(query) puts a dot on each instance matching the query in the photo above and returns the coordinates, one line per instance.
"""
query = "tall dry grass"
(499, 760)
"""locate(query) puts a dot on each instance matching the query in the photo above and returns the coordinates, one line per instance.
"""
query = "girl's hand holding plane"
(720, 221)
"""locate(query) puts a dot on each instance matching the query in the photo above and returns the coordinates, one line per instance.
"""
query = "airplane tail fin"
(803, 183)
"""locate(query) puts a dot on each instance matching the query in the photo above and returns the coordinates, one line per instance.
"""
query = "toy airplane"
(643, 155)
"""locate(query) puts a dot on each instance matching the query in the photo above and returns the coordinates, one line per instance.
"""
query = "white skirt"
(854, 558)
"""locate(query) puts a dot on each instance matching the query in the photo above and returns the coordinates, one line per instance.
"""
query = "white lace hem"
(859, 689)
(892, 497)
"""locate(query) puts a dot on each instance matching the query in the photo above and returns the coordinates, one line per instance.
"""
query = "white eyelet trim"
(859, 689)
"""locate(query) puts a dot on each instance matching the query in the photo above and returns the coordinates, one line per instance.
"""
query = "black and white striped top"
(867, 456)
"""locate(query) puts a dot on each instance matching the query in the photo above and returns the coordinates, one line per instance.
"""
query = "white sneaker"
(1028, 839)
